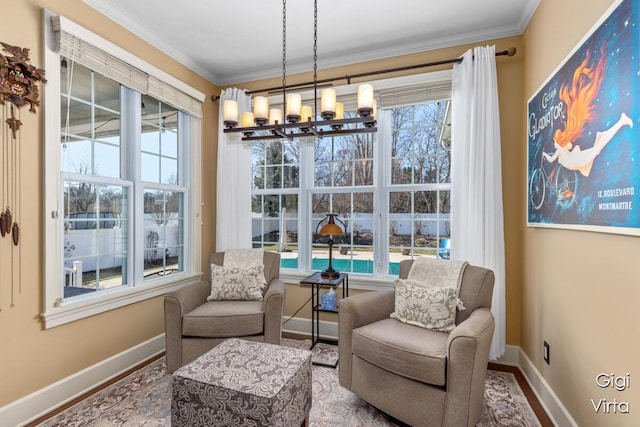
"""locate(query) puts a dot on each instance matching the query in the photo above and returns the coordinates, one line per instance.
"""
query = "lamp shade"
(247, 119)
(365, 99)
(331, 230)
(339, 111)
(275, 115)
(365, 96)
(328, 103)
(307, 113)
(230, 111)
(294, 104)
(261, 109)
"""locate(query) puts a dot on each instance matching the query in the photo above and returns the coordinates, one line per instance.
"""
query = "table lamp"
(328, 227)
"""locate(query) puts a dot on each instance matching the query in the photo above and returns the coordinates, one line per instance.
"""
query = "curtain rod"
(509, 52)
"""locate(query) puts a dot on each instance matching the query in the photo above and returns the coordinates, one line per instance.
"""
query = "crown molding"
(301, 66)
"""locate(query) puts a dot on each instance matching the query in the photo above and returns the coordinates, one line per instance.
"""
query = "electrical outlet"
(547, 352)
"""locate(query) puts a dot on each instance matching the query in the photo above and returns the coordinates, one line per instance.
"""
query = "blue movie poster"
(583, 145)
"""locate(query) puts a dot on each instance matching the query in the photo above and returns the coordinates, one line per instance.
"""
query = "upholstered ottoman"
(243, 383)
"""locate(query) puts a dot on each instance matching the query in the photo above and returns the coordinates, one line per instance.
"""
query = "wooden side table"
(317, 281)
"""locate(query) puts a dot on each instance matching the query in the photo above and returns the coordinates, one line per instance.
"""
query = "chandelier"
(299, 120)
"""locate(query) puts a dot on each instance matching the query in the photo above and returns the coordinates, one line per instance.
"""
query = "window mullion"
(131, 160)
(184, 181)
(381, 182)
(304, 203)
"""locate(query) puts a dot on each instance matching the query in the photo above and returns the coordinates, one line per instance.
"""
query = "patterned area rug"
(144, 399)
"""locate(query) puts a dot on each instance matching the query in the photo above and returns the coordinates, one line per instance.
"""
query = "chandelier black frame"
(329, 125)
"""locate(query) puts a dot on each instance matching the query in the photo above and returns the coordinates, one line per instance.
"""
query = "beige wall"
(31, 357)
(580, 290)
(510, 71)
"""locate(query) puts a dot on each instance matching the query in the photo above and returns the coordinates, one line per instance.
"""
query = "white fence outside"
(110, 244)
(399, 224)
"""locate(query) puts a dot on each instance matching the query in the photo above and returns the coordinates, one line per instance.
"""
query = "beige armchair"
(194, 325)
(416, 375)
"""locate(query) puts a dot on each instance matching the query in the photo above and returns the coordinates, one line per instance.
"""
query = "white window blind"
(96, 59)
(415, 94)
(74, 43)
(172, 96)
(390, 97)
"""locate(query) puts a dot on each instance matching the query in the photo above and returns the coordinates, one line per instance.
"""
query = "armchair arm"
(273, 310)
(356, 311)
(365, 308)
(176, 304)
(468, 356)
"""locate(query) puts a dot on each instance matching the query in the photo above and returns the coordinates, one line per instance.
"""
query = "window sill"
(81, 307)
(356, 281)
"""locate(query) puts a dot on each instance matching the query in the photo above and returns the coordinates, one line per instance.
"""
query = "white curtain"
(233, 192)
(477, 230)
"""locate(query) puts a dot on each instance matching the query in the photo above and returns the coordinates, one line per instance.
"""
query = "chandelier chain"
(284, 46)
(315, 56)
(289, 125)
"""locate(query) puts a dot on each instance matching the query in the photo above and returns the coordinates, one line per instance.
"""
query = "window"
(122, 167)
(390, 189)
(343, 184)
(161, 148)
(276, 184)
(419, 191)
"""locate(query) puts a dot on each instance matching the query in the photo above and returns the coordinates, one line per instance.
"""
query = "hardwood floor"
(544, 419)
(92, 392)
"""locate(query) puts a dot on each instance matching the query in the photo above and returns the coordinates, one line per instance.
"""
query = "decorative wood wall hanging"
(18, 87)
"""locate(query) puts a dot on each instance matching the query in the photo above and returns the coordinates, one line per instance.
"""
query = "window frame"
(56, 310)
(381, 277)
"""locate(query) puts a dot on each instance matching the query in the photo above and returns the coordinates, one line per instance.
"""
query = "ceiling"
(229, 41)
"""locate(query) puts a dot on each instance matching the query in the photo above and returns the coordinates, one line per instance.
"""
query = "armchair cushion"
(237, 284)
(217, 319)
(425, 306)
(416, 353)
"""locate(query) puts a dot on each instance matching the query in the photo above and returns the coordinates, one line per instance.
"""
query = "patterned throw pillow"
(428, 307)
(236, 284)
(244, 258)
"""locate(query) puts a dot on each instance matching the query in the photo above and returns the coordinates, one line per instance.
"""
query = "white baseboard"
(547, 398)
(297, 325)
(511, 356)
(43, 401)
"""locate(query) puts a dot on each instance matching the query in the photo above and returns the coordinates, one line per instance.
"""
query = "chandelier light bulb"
(230, 113)
(294, 104)
(339, 111)
(247, 119)
(275, 115)
(365, 100)
(328, 103)
(306, 113)
(261, 110)
(339, 115)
